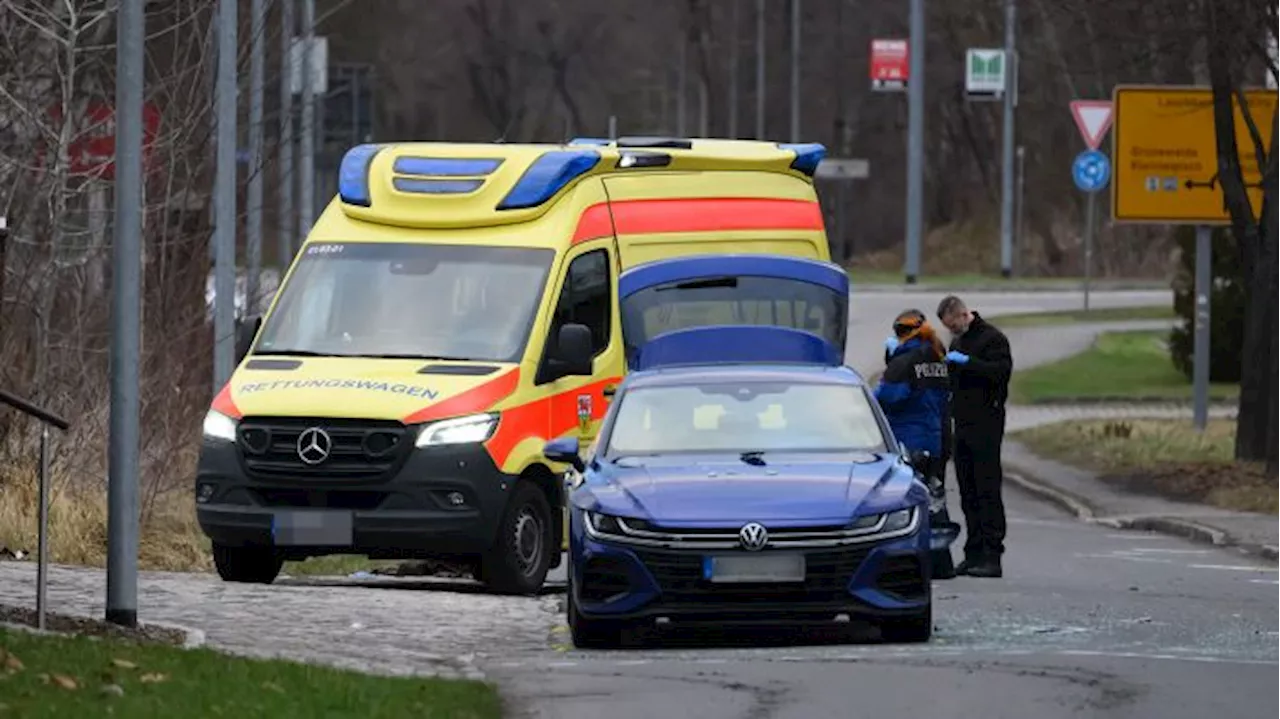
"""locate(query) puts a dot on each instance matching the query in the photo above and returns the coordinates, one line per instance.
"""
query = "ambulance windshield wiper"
(291, 353)
(755, 458)
(410, 356)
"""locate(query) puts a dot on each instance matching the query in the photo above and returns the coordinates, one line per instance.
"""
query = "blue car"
(742, 474)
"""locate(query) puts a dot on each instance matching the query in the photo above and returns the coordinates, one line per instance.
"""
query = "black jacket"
(980, 387)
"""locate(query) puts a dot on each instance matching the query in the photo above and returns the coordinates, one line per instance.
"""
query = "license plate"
(738, 569)
(316, 528)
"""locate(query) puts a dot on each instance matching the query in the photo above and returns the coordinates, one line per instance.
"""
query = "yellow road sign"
(1164, 152)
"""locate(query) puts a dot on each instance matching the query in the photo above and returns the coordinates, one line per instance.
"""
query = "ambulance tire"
(521, 556)
(247, 565)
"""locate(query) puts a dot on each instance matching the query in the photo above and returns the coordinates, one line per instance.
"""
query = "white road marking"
(1173, 657)
(1137, 536)
(559, 665)
(1233, 567)
(633, 662)
(1161, 550)
(1264, 581)
(1131, 558)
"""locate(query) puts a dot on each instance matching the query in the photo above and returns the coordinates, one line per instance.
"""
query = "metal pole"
(287, 230)
(1018, 236)
(613, 127)
(681, 90)
(253, 219)
(42, 548)
(1088, 245)
(760, 88)
(1006, 185)
(704, 111)
(795, 70)
(915, 139)
(306, 189)
(122, 452)
(733, 70)
(1204, 280)
(224, 282)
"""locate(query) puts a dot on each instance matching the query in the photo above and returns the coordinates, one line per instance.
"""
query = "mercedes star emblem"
(753, 537)
(314, 445)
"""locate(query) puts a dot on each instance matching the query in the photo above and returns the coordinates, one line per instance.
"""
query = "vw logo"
(314, 445)
(753, 536)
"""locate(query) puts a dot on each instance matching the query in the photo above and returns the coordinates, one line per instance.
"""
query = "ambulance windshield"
(413, 301)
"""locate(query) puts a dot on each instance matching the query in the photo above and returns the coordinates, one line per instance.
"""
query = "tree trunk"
(1257, 393)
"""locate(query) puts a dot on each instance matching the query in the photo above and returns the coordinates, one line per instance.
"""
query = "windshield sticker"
(325, 249)
(360, 384)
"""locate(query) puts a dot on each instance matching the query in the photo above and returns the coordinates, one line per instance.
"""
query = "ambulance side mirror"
(246, 331)
(572, 354)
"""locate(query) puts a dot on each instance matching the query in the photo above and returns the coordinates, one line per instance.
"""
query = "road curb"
(1172, 526)
(192, 638)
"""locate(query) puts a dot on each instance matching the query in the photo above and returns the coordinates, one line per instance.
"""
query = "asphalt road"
(1086, 622)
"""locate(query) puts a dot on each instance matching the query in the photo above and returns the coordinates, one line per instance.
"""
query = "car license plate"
(315, 528)
(742, 568)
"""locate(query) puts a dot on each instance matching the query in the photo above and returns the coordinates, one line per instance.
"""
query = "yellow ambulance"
(453, 308)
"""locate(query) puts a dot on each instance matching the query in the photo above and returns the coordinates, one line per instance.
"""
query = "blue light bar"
(808, 155)
(548, 175)
(597, 141)
(436, 187)
(446, 166)
(353, 175)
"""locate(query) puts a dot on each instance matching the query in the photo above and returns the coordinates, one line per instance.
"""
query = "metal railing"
(46, 418)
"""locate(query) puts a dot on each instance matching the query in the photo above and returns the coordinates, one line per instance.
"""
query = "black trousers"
(980, 477)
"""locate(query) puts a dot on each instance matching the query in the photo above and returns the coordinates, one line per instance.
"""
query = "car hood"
(364, 388)
(798, 489)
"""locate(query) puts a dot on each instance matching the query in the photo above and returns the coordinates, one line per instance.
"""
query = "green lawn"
(335, 565)
(55, 676)
(1107, 314)
(1133, 365)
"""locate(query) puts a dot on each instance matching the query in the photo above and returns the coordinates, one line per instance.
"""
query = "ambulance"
(454, 308)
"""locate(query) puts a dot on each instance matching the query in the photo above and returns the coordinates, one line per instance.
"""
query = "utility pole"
(306, 189)
(285, 188)
(126, 291)
(733, 70)
(760, 80)
(253, 217)
(795, 70)
(915, 139)
(1007, 153)
(224, 194)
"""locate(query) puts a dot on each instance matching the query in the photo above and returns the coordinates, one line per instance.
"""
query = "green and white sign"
(984, 72)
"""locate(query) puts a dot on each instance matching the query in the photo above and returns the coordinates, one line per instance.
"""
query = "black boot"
(967, 564)
(943, 567)
(987, 569)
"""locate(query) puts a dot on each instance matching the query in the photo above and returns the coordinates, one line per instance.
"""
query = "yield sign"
(1093, 118)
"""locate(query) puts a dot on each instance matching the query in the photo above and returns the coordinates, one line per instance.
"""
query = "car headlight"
(219, 427)
(603, 524)
(899, 520)
(459, 430)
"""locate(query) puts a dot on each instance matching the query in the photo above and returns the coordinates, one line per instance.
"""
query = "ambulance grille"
(357, 449)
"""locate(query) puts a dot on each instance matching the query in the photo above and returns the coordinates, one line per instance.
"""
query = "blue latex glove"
(891, 343)
(957, 357)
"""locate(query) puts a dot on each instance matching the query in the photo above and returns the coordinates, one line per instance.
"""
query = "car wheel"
(590, 633)
(250, 565)
(908, 630)
(519, 560)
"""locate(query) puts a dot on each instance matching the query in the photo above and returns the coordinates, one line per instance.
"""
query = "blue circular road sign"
(1091, 170)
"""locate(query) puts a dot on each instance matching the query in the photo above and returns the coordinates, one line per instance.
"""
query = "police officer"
(914, 393)
(981, 363)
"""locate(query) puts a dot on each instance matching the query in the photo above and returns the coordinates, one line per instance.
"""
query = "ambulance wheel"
(248, 565)
(911, 629)
(520, 558)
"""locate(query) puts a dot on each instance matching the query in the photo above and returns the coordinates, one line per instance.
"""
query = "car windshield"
(408, 300)
(746, 416)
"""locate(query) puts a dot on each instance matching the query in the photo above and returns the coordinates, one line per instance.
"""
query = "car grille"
(360, 449)
(903, 577)
(679, 577)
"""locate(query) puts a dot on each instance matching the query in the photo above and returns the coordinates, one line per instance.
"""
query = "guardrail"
(46, 418)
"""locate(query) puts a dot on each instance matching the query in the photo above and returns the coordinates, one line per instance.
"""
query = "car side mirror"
(565, 451)
(246, 331)
(572, 355)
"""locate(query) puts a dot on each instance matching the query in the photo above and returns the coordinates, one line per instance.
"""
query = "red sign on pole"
(92, 149)
(890, 69)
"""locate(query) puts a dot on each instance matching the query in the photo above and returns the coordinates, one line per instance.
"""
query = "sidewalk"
(1091, 500)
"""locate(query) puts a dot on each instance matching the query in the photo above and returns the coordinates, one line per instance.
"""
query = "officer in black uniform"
(980, 366)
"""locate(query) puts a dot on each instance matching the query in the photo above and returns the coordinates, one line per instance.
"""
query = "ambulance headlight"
(218, 427)
(470, 429)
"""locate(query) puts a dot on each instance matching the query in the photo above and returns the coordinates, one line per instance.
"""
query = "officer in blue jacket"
(915, 394)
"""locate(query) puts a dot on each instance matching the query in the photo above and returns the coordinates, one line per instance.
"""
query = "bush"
(1227, 303)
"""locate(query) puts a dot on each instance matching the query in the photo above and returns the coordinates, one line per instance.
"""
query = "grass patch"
(336, 565)
(1132, 365)
(1106, 314)
(1166, 458)
(57, 676)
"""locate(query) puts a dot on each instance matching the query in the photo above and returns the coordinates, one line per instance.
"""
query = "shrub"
(1227, 303)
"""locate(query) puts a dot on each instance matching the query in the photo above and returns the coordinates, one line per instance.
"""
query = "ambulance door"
(587, 295)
